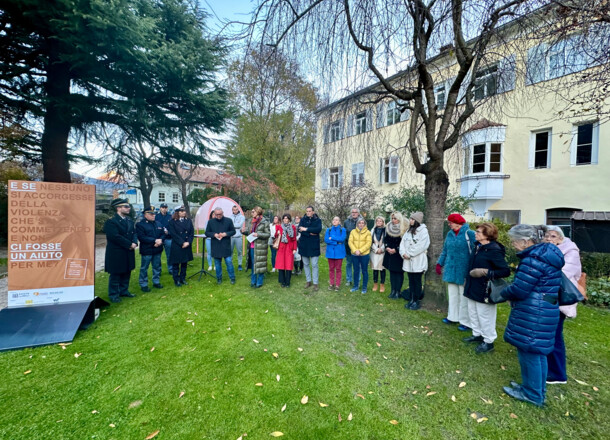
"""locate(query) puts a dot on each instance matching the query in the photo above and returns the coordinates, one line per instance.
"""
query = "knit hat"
(456, 218)
(418, 217)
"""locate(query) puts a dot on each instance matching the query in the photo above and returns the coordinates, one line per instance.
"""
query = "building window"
(486, 82)
(388, 170)
(334, 177)
(175, 198)
(392, 113)
(483, 158)
(335, 131)
(561, 217)
(511, 217)
(361, 123)
(540, 149)
(439, 96)
(161, 197)
(584, 144)
(358, 174)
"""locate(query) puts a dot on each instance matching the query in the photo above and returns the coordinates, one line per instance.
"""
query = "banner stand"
(23, 327)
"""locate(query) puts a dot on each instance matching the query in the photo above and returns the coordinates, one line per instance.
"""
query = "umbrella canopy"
(203, 213)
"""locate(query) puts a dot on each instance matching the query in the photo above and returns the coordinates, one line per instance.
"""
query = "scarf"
(255, 222)
(393, 230)
(287, 231)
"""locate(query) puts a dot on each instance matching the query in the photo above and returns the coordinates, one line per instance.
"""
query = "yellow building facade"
(523, 157)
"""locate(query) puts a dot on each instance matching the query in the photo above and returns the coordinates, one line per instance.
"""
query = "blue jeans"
(230, 268)
(156, 269)
(273, 255)
(237, 242)
(361, 262)
(167, 245)
(256, 279)
(557, 358)
(208, 249)
(349, 270)
(533, 375)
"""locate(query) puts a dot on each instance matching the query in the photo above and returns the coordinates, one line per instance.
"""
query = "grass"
(361, 354)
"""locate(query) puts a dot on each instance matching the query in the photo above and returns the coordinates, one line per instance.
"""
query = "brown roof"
(591, 215)
(209, 176)
(484, 123)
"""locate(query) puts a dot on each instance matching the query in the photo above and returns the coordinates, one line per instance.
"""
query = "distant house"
(107, 187)
(170, 193)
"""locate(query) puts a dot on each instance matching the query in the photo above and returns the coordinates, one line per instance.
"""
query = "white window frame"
(440, 91)
(335, 131)
(360, 122)
(532, 149)
(392, 113)
(333, 174)
(175, 198)
(468, 157)
(487, 74)
(594, 144)
(161, 196)
(390, 164)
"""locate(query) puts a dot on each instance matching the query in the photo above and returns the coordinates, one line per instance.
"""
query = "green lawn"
(186, 362)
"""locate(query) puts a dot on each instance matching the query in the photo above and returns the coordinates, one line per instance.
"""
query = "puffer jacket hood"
(534, 310)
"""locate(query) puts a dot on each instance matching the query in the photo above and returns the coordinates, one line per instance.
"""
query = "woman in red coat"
(284, 260)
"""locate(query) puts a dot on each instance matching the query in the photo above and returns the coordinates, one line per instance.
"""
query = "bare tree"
(339, 201)
(359, 42)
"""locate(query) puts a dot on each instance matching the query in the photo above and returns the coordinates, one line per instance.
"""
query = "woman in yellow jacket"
(360, 244)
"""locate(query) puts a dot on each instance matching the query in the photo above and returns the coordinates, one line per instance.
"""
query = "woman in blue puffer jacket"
(534, 309)
(335, 252)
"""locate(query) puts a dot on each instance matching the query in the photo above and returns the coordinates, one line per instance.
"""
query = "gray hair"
(535, 233)
(218, 209)
(556, 229)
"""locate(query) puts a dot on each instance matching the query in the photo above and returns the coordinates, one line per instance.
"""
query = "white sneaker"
(273, 270)
(209, 268)
(556, 382)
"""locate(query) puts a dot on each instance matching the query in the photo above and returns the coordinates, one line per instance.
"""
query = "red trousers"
(334, 271)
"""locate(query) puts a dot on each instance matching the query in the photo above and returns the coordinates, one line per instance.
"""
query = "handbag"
(582, 284)
(276, 242)
(494, 287)
(568, 292)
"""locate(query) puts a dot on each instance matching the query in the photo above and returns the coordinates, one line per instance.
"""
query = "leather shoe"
(115, 300)
(145, 289)
(415, 306)
(158, 286)
(463, 328)
(183, 282)
(518, 394)
(395, 294)
(473, 339)
(448, 321)
(308, 284)
(177, 283)
(484, 347)
(127, 295)
(232, 281)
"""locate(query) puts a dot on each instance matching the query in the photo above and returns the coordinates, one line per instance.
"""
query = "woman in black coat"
(392, 260)
(181, 230)
(487, 262)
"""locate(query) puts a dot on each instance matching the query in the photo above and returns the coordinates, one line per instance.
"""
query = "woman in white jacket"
(414, 249)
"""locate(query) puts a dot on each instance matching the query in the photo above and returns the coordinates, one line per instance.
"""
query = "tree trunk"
(435, 190)
(145, 187)
(185, 198)
(54, 142)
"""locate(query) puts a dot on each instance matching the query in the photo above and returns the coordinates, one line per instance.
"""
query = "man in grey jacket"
(237, 240)
(350, 224)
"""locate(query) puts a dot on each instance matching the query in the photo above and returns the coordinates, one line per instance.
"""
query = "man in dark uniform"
(220, 229)
(162, 219)
(150, 234)
(121, 243)
(181, 230)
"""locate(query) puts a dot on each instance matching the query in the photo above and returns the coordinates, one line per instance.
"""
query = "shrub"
(595, 265)
(503, 228)
(598, 292)
(100, 219)
(412, 199)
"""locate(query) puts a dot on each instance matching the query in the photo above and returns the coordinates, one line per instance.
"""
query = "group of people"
(469, 262)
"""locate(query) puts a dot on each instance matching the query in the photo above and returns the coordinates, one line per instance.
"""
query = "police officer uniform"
(181, 230)
(150, 234)
(163, 221)
(120, 252)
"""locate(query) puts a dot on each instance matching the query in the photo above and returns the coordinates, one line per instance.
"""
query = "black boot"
(415, 305)
(394, 295)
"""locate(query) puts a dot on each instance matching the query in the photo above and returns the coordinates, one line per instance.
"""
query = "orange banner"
(51, 243)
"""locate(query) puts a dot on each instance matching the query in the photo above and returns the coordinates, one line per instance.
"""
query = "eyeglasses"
(551, 236)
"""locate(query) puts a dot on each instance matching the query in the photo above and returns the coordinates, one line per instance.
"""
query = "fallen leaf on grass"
(384, 357)
(366, 361)
(474, 415)
(304, 399)
(283, 408)
(258, 384)
(513, 415)
(378, 344)
(27, 372)
(453, 398)
(276, 434)
(350, 417)
(76, 355)
(482, 419)
(112, 425)
(299, 348)
(489, 402)
(94, 411)
(394, 422)
(431, 393)
(323, 405)
(360, 395)
(414, 392)
(116, 388)
(595, 389)
(181, 394)
(255, 341)
(152, 349)
(340, 417)
(153, 434)
(462, 385)
(135, 404)
(503, 367)
(275, 355)
(581, 382)
(458, 371)
(277, 377)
